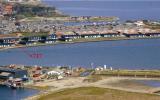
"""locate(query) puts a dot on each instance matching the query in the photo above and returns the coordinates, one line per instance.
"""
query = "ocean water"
(152, 83)
(124, 9)
(11, 94)
(130, 54)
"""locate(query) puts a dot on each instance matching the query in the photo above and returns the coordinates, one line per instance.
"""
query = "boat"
(14, 83)
(13, 86)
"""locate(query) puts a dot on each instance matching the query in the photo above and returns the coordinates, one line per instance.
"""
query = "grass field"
(95, 93)
(142, 73)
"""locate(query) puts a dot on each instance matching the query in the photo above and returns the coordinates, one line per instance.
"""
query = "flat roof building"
(5, 73)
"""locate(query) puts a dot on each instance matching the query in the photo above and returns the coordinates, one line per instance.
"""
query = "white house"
(139, 23)
(54, 73)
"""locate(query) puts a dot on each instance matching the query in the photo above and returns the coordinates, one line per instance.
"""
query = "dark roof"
(152, 33)
(10, 70)
(6, 43)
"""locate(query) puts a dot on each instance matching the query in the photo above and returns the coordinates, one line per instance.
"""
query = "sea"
(125, 54)
(7, 93)
(124, 9)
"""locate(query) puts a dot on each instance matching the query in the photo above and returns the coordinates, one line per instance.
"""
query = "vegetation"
(21, 11)
(95, 93)
(151, 25)
(26, 34)
(142, 73)
(103, 18)
(41, 88)
(154, 26)
(32, 10)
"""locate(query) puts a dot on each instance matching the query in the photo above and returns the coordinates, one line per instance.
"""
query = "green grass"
(131, 72)
(35, 34)
(95, 93)
(103, 19)
(39, 88)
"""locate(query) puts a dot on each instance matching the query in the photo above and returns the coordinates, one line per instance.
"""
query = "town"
(36, 29)
(52, 78)
(28, 23)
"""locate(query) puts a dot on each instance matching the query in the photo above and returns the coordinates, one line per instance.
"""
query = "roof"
(10, 70)
(5, 74)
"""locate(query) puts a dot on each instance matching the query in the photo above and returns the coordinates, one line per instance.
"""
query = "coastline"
(120, 83)
(106, 83)
(81, 41)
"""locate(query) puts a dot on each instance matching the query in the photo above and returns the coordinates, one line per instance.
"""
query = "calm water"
(152, 83)
(132, 54)
(9, 94)
(123, 9)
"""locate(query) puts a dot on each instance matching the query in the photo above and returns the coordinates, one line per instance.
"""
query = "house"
(30, 40)
(110, 35)
(36, 72)
(55, 74)
(129, 35)
(152, 34)
(34, 38)
(136, 35)
(90, 35)
(69, 37)
(6, 45)
(8, 42)
(139, 23)
(51, 38)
